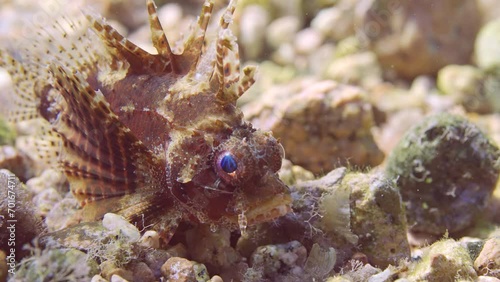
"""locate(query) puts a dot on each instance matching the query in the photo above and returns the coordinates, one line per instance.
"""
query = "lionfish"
(156, 138)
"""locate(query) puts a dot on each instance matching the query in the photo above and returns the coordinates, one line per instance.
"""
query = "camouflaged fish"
(156, 138)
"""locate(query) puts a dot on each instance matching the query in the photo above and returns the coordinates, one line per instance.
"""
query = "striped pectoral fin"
(101, 157)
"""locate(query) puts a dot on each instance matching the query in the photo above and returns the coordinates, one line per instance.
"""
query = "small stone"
(109, 269)
(472, 245)
(466, 85)
(487, 279)
(216, 278)
(335, 22)
(114, 222)
(348, 46)
(177, 269)
(49, 178)
(117, 278)
(253, 23)
(61, 215)
(307, 41)
(487, 46)
(15, 161)
(141, 272)
(98, 278)
(46, 200)
(358, 69)
(277, 261)
(291, 174)
(488, 261)
(282, 31)
(150, 239)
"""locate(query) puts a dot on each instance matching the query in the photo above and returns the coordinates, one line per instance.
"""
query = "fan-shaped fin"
(101, 157)
(25, 100)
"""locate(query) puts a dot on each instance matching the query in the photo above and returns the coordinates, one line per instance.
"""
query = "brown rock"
(109, 269)
(321, 124)
(488, 261)
(142, 273)
(419, 37)
(15, 161)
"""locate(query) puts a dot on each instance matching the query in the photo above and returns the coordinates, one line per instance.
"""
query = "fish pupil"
(228, 163)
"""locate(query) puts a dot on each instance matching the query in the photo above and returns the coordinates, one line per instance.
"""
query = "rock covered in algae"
(347, 211)
(446, 170)
(322, 124)
(280, 262)
(444, 261)
(56, 265)
(378, 218)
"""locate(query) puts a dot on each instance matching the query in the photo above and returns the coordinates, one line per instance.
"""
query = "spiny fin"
(101, 157)
(140, 60)
(227, 68)
(159, 38)
(193, 44)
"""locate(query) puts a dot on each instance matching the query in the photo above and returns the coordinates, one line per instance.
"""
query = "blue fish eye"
(228, 163)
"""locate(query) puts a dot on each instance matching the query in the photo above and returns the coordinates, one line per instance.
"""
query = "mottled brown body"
(156, 138)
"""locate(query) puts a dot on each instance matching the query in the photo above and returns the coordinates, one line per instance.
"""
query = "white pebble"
(150, 239)
(114, 222)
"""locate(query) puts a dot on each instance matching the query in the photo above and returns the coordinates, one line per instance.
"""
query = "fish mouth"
(269, 210)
